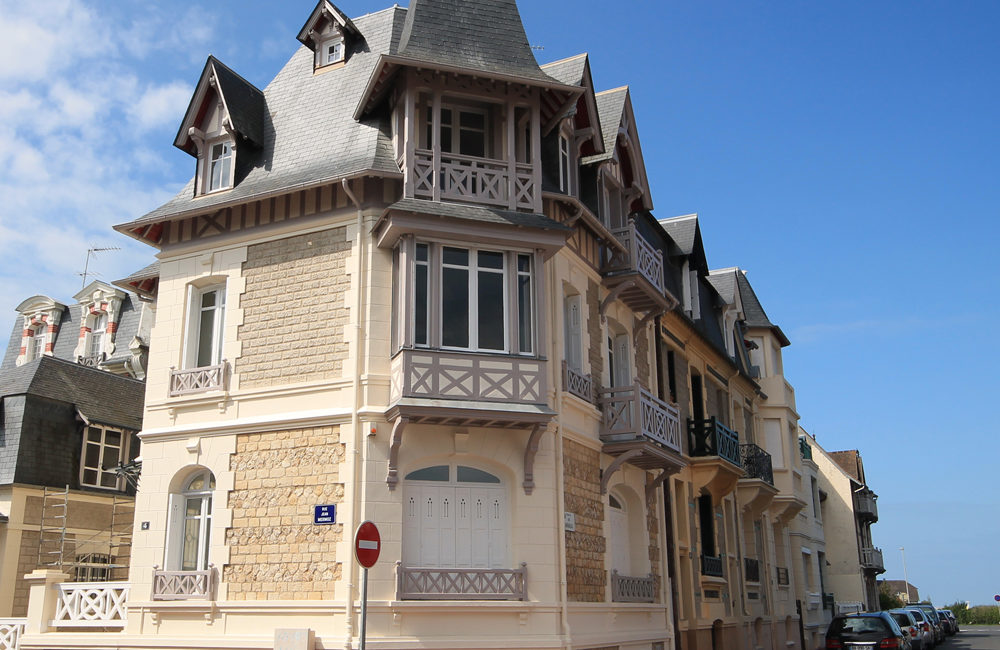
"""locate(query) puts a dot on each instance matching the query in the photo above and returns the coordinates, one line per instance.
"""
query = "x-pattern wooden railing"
(183, 585)
(419, 583)
(456, 375)
(11, 630)
(629, 589)
(91, 604)
(577, 383)
(198, 380)
(632, 411)
(470, 178)
(641, 258)
(712, 438)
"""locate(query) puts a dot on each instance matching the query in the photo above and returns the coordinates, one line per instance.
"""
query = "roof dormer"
(41, 316)
(226, 116)
(328, 33)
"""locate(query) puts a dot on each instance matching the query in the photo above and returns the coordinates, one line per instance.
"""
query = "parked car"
(951, 617)
(925, 626)
(908, 624)
(876, 628)
(934, 617)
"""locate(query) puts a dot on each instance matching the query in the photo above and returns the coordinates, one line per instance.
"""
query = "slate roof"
(309, 134)
(753, 312)
(568, 71)
(477, 213)
(485, 35)
(246, 103)
(683, 230)
(610, 107)
(724, 283)
(100, 396)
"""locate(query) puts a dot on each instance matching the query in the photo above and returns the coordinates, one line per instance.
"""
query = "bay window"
(472, 299)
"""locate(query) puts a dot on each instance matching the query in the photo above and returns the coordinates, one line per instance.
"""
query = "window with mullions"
(38, 343)
(96, 344)
(220, 166)
(477, 288)
(464, 130)
(103, 451)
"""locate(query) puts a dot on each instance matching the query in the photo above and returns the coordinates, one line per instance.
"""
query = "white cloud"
(161, 105)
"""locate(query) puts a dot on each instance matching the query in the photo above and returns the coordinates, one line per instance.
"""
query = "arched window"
(454, 516)
(191, 523)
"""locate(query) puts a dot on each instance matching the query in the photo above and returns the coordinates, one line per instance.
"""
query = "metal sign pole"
(364, 605)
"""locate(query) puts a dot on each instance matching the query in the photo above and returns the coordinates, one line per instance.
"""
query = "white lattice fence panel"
(91, 604)
(11, 630)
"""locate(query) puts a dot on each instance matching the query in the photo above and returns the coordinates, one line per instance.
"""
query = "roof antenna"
(537, 47)
(91, 251)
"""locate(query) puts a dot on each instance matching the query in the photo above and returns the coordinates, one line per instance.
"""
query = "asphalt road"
(974, 637)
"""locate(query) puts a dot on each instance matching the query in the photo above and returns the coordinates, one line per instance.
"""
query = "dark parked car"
(953, 622)
(908, 623)
(874, 629)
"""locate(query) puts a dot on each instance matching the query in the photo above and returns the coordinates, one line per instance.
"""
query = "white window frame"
(565, 165)
(103, 446)
(37, 348)
(324, 51)
(193, 343)
(178, 519)
(210, 161)
(95, 342)
(455, 125)
(473, 271)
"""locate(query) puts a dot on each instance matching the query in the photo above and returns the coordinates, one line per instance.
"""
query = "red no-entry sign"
(367, 544)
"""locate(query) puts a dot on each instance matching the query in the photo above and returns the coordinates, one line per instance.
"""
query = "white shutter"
(574, 338)
(175, 533)
(623, 373)
(618, 521)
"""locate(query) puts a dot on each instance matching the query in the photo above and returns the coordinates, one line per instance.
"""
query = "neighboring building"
(70, 406)
(809, 536)
(848, 513)
(901, 589)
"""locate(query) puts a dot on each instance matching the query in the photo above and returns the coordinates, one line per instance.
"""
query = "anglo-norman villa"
(418, 278)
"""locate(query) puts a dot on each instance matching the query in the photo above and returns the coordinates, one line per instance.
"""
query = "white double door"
(455, 526)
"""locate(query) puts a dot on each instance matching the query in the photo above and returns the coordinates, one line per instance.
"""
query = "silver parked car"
(925, 626)
(908, 624)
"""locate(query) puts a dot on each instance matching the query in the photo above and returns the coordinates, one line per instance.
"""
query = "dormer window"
(96, 345)
(220, 170)
(327, 33)
(331, 51)
(37, 343)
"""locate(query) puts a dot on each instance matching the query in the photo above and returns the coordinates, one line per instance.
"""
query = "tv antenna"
(93, 250)
(538, 47)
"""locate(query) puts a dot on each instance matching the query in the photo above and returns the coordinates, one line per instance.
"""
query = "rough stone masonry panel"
(294, 316)
(276, 552)
(586, 546)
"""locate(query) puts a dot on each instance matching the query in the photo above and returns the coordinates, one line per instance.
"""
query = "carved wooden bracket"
(613, 296)
(529, 457)
(650, 316)
(392, 478)
(615, 464)
(657, 482)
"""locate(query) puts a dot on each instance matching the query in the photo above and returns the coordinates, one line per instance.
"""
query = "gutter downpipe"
(560, 474)
(356, 417)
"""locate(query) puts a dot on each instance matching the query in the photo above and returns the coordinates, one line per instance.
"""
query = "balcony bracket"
(615, 464)
(530, 450)
(392, 478)
(653, 313)
(613, 296)
(657, 482)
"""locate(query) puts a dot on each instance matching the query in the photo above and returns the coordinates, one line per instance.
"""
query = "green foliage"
(977, 615)
(887, 600)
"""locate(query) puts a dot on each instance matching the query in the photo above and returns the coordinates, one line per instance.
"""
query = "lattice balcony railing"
(475, 180)
(446, 374)
(461, 584)
(11, 630)
(629, 589)
(711, 566)
(183, 585)
(91, 604)
(712, 438)
(632, 412)
(577, 383)
(198, 380)
(642, 257)
(757, 463)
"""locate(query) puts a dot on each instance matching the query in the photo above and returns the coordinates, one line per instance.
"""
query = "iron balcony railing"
(805, 449)
(183, 585)
(577, 383)
(757, 463)
(751, 569)
(632, 413)
(629, 589)
(641, 258)
(712, 438)
(711, 566)
(871, 558)
(782, 575)
(865, 506)
(419, 583)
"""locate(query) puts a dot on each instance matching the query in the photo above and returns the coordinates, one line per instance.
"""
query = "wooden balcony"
(577, 383)
(715, 456)
(414, 583)
(629, 589)
(871, 559)
(864, 505)
(634, 275)
(183, 585)
(199, 380)
(499, 183)
(641, 429)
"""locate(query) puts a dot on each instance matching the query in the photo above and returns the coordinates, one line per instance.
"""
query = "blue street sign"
(997, 598)
(323, 515)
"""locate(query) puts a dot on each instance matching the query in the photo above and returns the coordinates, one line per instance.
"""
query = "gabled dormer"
(41, 316)
(99, 306)
(329, 33)
(687, 251)
(225, 119)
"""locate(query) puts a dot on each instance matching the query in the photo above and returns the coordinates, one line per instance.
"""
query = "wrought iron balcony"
(92, 361)
(635, 274)
(628, 589)
(712, 566)
(712, 438)
(805, 449)
(634, 413)
(461, 584)
(471, 179)
(871, 558)
(864, 505)
(199, 380)
(782, 575)
(577, 383)
(757, 463)
(183, 585)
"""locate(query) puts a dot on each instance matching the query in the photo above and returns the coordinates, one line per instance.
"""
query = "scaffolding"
(101, 556)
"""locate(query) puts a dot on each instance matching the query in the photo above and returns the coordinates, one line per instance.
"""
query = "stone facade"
(293, 309)
(585, 547)
(276, 552)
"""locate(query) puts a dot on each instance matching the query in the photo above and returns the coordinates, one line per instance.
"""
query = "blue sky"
(844, 154)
